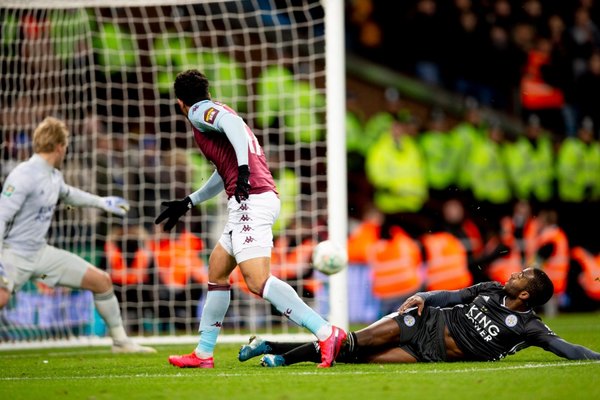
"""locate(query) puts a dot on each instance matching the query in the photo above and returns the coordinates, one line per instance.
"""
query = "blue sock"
(213, 313)
(286, 301)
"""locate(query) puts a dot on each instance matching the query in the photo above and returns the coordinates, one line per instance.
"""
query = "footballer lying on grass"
(484, 322)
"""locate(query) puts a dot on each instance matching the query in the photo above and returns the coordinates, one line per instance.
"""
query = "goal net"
(106, 68)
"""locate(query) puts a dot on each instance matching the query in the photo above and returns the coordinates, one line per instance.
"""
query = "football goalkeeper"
(27, 202)
(484, 322)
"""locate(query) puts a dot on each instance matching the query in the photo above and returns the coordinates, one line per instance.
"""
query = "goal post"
(106, 68)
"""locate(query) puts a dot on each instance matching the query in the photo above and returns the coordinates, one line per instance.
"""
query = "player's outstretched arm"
(75, 197)
(570, 351)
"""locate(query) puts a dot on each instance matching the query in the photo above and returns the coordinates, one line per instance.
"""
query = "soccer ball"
(329, 258)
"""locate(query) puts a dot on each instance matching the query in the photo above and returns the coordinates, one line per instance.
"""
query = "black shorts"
(422, 336)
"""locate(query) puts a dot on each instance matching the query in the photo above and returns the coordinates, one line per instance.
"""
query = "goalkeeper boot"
(271, 360)
(191, 361)
(128, 346)
(255, 347)
(330, 347)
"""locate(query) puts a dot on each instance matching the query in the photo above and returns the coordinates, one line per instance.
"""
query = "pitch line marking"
(308, 373)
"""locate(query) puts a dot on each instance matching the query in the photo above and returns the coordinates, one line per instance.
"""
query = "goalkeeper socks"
(213, 313)
(286, 301)
(108, 308)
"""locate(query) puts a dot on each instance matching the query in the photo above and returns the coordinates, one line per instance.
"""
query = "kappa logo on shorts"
(409, 320)
(247, 228)
(511, 320)
(210, 115)
(249, 239)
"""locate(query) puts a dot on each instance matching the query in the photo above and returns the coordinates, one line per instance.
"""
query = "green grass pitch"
(95, 373)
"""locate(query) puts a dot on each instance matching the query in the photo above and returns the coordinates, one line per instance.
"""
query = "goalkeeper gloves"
(175, 209)
(115, 205)
(242, 185)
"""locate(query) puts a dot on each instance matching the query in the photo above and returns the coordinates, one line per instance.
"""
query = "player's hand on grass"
(115, 205)
(412, 301)
(242, 186)
(175, 209)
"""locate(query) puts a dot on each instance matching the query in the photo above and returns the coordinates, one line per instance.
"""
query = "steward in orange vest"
(179, 262)
(552, 250)
(395, 265)
(520, 230)
(366, 234)
(589, 277)
(128, 260)
(507, 259)
(446, 262)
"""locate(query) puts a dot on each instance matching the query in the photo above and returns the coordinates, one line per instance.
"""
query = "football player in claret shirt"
(253, 206)
(484, 322)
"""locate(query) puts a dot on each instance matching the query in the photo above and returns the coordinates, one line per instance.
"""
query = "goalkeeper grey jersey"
(29, 196)
(484, 329)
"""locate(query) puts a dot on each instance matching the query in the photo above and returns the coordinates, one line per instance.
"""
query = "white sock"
(108, 308)
(287, 302)
(213, 313)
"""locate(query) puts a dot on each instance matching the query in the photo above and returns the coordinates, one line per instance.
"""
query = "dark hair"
(191, 86)
(540, 288)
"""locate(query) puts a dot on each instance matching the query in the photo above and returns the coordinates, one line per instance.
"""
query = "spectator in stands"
(466, 135)
(586, 39)
(530, 163)
(395, 166)
(587, 90)
(489, 181)
(577, 166)
(441, 157)
(27, 203)
(426, 46)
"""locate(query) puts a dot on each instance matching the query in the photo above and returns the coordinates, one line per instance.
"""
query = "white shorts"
(52, 266)
(249, 230)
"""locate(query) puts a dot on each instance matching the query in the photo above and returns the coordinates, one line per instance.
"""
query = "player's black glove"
(175, 209)
(242, 185)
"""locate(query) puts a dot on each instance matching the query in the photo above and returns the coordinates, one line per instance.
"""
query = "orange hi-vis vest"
(474, 235)
(359, 241)
(395, 265)
(446, 265)
(589, 279)
(123, 274)
(178, 261)
(529, 236)
(502, 268)
(557, 265)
